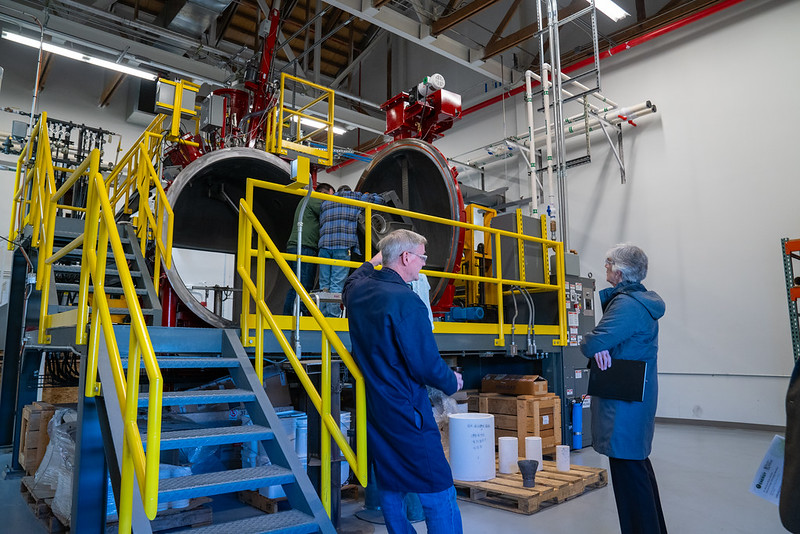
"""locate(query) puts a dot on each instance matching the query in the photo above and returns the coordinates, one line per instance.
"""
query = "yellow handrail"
(101, 231)
(36, 203)
(497, 280)
(248, 223)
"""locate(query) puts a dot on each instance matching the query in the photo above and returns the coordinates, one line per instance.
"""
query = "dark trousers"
(636, 493)
(308, 275)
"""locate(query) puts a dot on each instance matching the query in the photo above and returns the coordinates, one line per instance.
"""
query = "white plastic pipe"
(551, 187)
(533, 450)
(508, 454)
(609, 103)
(532, 150)
(562, 457)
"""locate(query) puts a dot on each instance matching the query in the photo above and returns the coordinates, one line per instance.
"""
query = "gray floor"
(704, 475)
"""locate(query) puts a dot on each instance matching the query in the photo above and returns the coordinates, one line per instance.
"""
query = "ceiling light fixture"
(611, 9)
(317, 124)
(72, 54)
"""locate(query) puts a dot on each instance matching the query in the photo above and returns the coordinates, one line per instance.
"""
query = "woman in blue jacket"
(623, 430)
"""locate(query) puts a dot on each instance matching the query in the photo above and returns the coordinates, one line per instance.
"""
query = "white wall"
(71, 93)
(712, 187)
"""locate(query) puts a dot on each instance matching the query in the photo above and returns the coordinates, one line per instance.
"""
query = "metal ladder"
(789, 250)
(203, 348)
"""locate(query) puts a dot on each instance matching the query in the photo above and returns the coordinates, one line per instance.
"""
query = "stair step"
(126, 311)
(212, 396)
(289, 522)
(201, 437)
(77, 253)
(77, 268)
(250, 478)
(108, 290)
(170, 362)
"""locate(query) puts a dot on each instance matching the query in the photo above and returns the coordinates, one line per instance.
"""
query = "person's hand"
(377, 259)
(459, 381)
(603, 359)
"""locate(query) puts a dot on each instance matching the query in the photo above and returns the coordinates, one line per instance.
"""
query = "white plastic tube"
(472, 446)
(562, 457)
(508, 454)
(533, 450)
(532, 149)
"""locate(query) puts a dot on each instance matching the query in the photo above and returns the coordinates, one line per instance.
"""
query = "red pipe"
(611, 51)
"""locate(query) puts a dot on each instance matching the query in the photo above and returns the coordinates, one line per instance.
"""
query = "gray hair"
(397, 242)
(629, 260)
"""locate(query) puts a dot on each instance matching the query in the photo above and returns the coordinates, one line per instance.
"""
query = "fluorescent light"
(611, 9)
(72, 54)
(317, 124)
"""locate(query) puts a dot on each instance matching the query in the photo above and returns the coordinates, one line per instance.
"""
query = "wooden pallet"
(552, 487)
(197, 514)
(261, 502)
(40, 499)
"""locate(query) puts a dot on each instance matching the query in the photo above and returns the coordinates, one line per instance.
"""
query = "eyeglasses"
(423, 257)
(609, 262)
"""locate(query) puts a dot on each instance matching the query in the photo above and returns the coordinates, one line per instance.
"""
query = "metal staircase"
(192, 348)
(66, 273)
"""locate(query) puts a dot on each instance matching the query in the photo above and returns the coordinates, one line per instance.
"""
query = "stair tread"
(212, 436)
(77, 268)
(211, 396)
(170, 489)
(290, 521)
(63, 286)
(168, 362)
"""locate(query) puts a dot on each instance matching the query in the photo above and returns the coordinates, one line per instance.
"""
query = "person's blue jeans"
(308, 274)
(441, 512)
(332, 277)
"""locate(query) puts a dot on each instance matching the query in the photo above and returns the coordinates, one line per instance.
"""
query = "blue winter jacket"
(628, 330)
(397, 353)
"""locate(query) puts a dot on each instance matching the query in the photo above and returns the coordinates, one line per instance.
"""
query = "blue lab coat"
(628, 330)
(395, 349)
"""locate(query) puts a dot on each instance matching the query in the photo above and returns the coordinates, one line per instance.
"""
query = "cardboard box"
(514, 384)
(521, 416)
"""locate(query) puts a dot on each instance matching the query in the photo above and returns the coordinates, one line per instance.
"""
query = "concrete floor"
(704, 475)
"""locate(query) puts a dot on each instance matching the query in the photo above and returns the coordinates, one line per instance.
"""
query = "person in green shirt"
(308, 271)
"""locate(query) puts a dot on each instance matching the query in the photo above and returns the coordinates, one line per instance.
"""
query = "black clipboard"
(624, 380)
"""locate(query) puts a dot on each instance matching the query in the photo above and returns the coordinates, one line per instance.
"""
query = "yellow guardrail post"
(325, 436)
(248, 219)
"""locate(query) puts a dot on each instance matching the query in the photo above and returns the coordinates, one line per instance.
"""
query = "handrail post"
(325, 435)
(500, 341)
(260, 274)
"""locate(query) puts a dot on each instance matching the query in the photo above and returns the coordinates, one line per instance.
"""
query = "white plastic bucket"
(472, 446)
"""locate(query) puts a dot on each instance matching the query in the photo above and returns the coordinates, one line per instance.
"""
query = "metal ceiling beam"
(420, 34)
(108, 43)
(460, 15)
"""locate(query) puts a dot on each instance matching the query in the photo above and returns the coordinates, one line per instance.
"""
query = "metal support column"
(11, 358)
(314, 445)
(89, 478)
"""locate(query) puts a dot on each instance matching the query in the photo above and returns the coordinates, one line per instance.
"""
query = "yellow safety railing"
(136, 172)
(282, 115)
(265, 247)
(101, 231)
(497, 279)
(36, 203)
